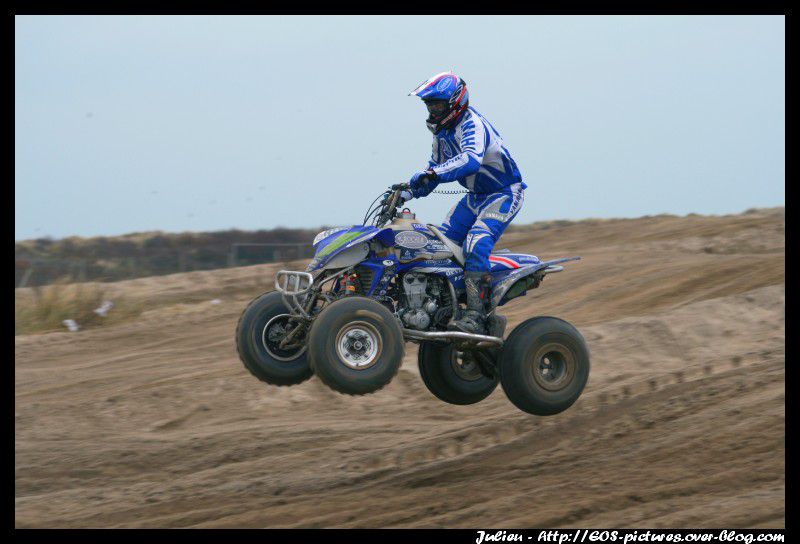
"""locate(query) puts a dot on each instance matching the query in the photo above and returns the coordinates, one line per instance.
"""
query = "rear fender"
(522, 276)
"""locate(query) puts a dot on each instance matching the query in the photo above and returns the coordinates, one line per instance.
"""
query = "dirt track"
(155, 423)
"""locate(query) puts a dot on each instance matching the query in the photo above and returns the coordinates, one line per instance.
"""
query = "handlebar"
(386, 208)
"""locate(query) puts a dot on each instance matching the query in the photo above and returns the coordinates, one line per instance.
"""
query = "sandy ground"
(155, 422)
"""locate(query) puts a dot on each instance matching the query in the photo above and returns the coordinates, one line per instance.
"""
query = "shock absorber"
(348, 284)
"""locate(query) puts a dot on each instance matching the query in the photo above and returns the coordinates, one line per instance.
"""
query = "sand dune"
(155, 422)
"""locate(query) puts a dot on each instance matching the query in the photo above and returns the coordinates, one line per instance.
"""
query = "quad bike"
(372, 287)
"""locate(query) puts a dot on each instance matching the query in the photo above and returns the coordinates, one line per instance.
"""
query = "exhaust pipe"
(482, 339)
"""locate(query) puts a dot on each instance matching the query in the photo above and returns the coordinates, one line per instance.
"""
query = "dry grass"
(52, 304)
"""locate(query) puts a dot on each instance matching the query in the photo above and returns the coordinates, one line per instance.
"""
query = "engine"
(423, 301)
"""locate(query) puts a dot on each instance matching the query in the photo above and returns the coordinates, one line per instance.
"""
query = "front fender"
(342, 248)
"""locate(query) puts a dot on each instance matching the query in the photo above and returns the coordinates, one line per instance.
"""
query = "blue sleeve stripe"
(458, 167)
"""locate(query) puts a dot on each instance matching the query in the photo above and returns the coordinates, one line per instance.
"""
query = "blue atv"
(372, 287)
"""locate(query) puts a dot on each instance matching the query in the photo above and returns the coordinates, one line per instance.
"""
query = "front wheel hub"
(358, 345)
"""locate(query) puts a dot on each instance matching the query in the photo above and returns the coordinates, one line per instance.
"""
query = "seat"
(456, 250)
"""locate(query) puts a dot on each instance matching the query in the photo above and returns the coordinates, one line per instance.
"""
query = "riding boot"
(474, 319)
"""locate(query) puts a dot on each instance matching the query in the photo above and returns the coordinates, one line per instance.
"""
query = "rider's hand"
(419, 178)
(401, 186)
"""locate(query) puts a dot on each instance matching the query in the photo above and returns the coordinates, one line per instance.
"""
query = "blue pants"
(477, 222)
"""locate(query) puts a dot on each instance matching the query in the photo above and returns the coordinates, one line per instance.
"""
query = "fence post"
(26, 276)
(74, 270)
(232, 256)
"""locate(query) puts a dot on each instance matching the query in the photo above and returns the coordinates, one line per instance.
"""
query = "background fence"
(32, 271)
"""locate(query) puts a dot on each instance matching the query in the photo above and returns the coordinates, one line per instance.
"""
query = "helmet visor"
(436, 108)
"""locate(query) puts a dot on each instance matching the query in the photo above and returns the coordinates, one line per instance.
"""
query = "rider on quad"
(467, 149)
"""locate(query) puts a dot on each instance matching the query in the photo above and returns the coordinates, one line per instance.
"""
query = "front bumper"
(293, 287)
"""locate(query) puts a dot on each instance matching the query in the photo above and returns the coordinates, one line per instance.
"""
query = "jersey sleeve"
(472, 142)
(434, 160)
(425, 187)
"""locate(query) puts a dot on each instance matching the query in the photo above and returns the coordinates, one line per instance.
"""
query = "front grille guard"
(293, 287)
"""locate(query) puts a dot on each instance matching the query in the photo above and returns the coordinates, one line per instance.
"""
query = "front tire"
(356, 345)
(544, 366)
(453, 379)
(257, 335)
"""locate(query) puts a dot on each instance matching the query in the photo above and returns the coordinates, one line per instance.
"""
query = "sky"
(198, 123)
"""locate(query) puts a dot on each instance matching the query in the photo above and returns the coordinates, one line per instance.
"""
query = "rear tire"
(356, 345)
(544, 366)
(452, 379)
(259, 353)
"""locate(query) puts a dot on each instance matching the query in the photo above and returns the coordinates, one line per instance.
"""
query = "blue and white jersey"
(471, 153)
